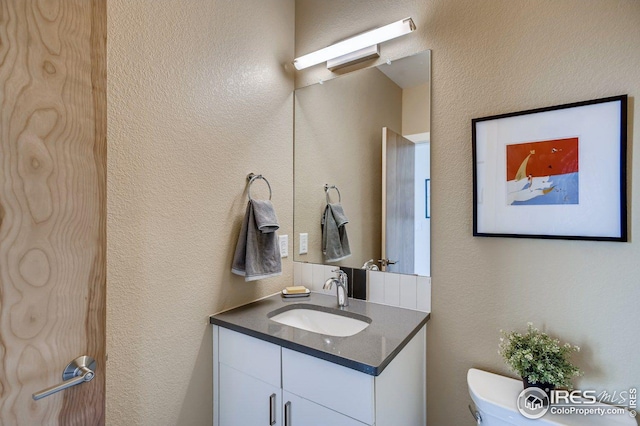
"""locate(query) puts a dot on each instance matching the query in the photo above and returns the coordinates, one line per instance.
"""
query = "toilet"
(495, 398)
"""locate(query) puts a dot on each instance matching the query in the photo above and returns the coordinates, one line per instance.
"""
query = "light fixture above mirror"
(355, 49)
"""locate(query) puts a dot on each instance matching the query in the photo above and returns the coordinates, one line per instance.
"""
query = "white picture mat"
(598, 213)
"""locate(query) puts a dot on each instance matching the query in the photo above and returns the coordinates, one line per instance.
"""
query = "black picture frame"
(557, 172)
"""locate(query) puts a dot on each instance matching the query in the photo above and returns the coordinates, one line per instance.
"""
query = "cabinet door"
(254, 357)
(247, 401)
(334, 386)
(301, 412)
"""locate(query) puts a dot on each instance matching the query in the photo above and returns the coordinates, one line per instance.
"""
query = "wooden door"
(52, 207)
(398, 201)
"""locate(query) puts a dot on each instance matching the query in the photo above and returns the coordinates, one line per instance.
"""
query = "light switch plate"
(284, 245)
(304, 243)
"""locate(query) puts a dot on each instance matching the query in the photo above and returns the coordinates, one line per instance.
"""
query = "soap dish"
(286, 294)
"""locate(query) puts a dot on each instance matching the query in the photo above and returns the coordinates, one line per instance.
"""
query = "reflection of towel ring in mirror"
(327, 187)
(251, 177)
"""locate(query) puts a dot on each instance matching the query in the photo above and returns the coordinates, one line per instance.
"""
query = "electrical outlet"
(304, 243)
(284, 245)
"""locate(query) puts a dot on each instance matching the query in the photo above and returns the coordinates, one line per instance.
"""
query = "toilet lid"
(494, 389)
(497, 395)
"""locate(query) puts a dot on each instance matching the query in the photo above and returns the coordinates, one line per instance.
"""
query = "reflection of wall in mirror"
(338, 141)
(416, 109)
(422, 255)
(416, 126)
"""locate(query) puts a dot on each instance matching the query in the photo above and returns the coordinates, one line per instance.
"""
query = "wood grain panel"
(52, 206)
(399, 239)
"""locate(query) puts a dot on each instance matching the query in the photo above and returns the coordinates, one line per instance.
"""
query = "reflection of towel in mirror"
(257, 253)
(335, 243)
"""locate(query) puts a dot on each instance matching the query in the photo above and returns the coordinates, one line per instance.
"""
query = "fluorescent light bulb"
(373, 37)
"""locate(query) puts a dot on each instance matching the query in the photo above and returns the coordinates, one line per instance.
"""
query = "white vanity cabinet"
(247, 400)
(300, 411)
(309, 391)
(247, 380)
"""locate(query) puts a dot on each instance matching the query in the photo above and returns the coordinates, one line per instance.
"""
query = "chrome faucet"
(341, 287)
(370, 265)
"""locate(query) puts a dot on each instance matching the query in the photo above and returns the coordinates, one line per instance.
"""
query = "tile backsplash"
(406, 291)
(313, 277)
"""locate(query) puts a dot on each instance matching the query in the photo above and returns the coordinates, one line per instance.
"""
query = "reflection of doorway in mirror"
(398, 198)
(405, 225)
(422, 259)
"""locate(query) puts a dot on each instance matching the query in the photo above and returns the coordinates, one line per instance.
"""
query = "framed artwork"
(556, 172)
(427, 198)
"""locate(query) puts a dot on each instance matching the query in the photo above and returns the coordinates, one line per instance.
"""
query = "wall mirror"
(367, 134)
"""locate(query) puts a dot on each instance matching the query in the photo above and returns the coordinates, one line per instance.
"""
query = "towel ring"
(327, 187)
(251, 177)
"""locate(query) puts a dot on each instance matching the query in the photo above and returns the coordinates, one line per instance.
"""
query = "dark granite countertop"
(369, 351)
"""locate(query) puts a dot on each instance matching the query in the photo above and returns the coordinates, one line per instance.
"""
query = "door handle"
(78, 371)
(386, 262)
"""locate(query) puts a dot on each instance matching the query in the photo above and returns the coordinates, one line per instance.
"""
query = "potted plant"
(540, 360)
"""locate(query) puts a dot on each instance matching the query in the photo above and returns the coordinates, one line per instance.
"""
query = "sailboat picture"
(543, 172)
(557, 172)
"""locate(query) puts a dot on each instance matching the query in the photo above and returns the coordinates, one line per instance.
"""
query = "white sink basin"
(321, 320)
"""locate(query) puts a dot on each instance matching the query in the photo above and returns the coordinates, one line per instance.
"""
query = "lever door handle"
(80, 370)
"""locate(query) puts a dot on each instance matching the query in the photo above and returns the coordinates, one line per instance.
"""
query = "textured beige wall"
(415, 109)
(492, 57)
(338, 132)
(197, 98)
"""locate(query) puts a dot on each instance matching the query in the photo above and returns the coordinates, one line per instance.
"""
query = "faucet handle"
(340, 272)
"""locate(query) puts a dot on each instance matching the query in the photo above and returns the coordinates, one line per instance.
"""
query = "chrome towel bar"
(328, 187)
(252, 177)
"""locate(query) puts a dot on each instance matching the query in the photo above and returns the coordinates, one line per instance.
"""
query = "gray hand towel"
(257, 254)
(335, 243)
(265, 214)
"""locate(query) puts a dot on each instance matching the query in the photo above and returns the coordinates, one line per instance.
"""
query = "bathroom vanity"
(268, 373)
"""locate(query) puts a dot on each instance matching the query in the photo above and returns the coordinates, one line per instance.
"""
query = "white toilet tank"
(495, 398)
